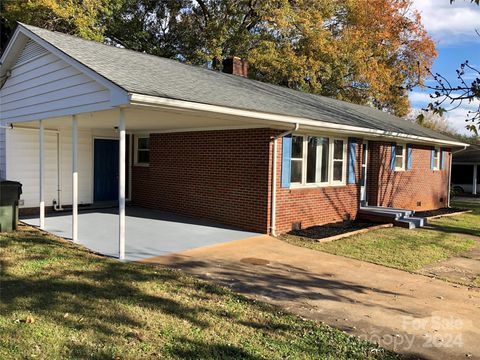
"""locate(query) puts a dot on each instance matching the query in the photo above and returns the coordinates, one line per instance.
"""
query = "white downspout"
(450, 173)
(274, 178)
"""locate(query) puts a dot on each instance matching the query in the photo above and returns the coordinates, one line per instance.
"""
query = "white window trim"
(436, 162)
(136, 138)
(303, 184)
(404, 157)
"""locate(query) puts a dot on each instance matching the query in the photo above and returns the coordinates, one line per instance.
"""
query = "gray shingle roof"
(152, 75)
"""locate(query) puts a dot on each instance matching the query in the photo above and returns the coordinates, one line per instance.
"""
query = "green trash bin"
(10, 192)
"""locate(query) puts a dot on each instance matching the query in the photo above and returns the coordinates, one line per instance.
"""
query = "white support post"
(475, 176)
(74, 178)
(121, 186)
(42, 175)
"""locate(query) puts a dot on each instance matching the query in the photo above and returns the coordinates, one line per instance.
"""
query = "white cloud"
(419, 97)
(456, 116)
(449, 23)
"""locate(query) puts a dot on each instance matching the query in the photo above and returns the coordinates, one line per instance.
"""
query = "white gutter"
(147, 100)
(274, 178)
(450, 172)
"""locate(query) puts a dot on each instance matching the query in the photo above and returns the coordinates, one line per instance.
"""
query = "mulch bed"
(334, 229)
(439, 212)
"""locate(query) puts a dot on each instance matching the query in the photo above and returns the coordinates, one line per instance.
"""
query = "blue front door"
(105, 170)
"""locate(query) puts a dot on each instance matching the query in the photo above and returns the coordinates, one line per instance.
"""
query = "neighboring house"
(466, 170)
(202, 143)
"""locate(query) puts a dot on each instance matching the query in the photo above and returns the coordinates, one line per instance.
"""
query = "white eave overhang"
(305, 123)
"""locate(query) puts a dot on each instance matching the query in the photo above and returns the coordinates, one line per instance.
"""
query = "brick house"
(112, 124)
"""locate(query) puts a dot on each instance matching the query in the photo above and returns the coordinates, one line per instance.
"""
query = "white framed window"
(297, 160)
(318, 161)
(436, 158)
(400, 157)
(142, 150)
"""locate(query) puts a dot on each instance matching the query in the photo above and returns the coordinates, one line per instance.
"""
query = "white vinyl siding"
(23, 164)
(41, 83)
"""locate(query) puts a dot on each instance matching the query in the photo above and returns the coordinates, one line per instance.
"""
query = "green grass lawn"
(59, 301)
(467, 223)
(407, 249)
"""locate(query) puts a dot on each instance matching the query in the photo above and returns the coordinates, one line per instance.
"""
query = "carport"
(151, 233)
(466, 170)
(65, 90)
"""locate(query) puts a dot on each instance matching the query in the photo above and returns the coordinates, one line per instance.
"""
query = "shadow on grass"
(190, 349)
(452, 229)
(99, 295)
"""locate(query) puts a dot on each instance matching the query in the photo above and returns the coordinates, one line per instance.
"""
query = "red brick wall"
(226, 176)
(218, 175)
(318, 205)
(418, 189)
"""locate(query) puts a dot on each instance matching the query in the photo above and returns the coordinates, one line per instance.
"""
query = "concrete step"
(400, 217)
(411, 222)
(392, 213)
(387, 210)
(418, 221)
(404, 224)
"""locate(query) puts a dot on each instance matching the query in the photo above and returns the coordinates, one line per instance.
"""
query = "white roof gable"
(39, 82)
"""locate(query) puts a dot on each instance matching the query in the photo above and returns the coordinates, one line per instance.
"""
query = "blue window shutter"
(392, 159)
(432, 159)
(409, 156)
(286, 160)
(442, 160)
(352, 160)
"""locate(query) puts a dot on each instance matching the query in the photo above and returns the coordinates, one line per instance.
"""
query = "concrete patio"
(149, 233)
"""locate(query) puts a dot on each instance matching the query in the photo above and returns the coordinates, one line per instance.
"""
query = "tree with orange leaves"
(368, 52)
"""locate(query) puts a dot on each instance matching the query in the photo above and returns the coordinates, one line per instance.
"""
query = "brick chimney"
(236, 66)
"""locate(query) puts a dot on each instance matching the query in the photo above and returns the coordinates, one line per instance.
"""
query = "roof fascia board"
(119, 96)
(139, 99)
(15, 43)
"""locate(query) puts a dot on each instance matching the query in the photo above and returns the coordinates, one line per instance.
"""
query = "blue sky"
(452, 27)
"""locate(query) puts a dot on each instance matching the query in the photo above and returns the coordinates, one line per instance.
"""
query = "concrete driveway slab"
(464, 269)
(148, 232)
(409, 313)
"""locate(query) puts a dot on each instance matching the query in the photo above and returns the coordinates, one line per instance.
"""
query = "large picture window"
(318, 160)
